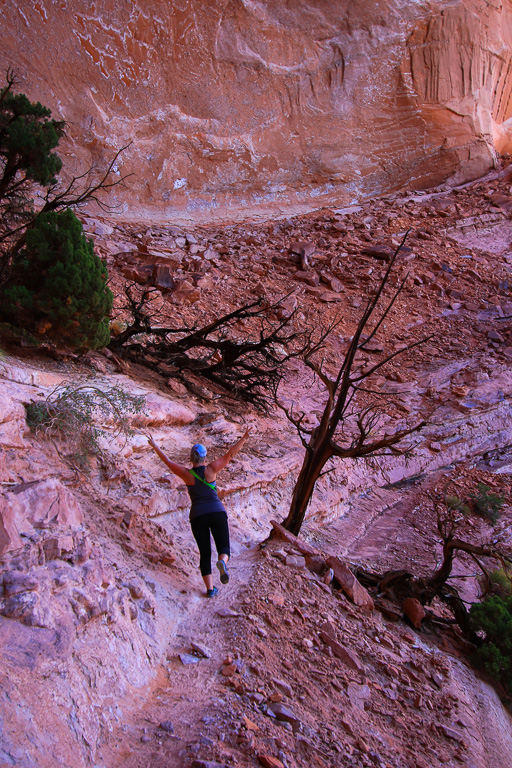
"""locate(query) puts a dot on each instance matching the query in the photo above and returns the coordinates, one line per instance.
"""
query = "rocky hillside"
(110, 653)
(226, 105)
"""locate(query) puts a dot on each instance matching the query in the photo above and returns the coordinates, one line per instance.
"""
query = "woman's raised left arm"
(215, 466)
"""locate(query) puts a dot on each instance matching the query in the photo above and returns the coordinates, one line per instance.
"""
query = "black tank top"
(204, 498)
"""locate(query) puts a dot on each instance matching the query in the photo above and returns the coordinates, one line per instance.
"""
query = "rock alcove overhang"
(233, 106)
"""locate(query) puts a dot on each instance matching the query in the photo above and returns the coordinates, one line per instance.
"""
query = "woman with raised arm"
(207, 513)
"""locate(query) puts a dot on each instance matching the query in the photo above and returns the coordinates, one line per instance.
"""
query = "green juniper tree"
(58, 285)
(27, 164)
(51, 282)
(492, 619)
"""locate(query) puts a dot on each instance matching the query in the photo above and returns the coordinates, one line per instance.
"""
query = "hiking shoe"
(211, 592)
(224, 575)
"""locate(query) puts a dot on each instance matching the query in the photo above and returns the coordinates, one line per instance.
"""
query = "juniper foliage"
(58, 286)
(492, 619)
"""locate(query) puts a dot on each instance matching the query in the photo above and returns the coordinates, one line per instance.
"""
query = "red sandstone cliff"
(234, 104)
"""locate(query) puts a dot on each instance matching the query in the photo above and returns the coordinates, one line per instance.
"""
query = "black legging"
(217, 523)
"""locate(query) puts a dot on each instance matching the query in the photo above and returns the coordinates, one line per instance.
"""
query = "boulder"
(414, 611)
(379, 251)
(311, 278)
(163, 277)
(138, 273)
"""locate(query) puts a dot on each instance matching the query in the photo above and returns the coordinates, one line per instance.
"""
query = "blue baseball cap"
(199, 449)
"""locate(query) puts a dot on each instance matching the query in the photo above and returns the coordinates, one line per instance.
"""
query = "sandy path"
(187, 698)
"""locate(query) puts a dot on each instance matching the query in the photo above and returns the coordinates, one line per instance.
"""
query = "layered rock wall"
(237, 104)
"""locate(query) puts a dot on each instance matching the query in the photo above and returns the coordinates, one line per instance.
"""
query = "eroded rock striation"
(229, 105)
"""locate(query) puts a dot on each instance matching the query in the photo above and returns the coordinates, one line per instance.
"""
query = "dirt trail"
(168, 724)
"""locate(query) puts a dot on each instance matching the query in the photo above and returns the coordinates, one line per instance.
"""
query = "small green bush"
(492, 619)
(487, 503)
(74, 413)
(457, 504)
(58, 287)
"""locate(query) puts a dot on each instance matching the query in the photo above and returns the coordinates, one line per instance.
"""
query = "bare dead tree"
(401, 584)
(333, 436)
(88, 187)
(246, 364)
(397, 585)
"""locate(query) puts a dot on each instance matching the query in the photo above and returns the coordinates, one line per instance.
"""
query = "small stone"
(284, 713)
(187, 658)
(332, 282)
(347, 656)
(350, 585)
(358, 694)
(250, 725)
(302, 248)
(267, 761)
(276, 697)
(277, 600)
(295, 561)
(450, 733)
(202, 649)
(379, 251)
(166, 726)
(135, 591)
(163, 277)
(347, 725)
(284, 687)
(228, 670)
(15, 583)
(363, 746)
(227, 613)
